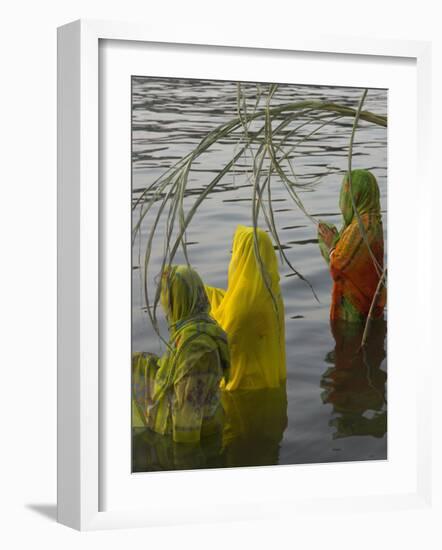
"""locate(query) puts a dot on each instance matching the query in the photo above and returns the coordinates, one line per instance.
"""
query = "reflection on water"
(253, 430)
(152, 452)
(255, 424)
(355, 385)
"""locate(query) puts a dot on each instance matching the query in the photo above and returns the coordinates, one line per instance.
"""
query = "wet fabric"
(251, 312)
(355, 270)
(179, 393)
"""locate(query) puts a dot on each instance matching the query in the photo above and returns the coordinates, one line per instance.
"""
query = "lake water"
(333, 407)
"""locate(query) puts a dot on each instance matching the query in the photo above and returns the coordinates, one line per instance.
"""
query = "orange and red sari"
(357, 259)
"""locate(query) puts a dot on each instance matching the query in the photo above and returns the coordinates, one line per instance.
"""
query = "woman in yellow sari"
(251, 312)
(179, 393)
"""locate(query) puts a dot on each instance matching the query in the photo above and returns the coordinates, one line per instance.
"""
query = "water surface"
(333, 407)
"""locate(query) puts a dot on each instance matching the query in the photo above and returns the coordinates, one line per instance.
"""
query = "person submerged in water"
(179, 393)
(251, 312)
(356, 253)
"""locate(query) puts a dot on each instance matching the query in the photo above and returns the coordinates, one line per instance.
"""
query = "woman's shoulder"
(200, 337)
(355, 230)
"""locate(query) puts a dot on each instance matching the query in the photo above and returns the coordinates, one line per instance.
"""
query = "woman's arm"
(327, 238)
(343, 255)
(144, 368)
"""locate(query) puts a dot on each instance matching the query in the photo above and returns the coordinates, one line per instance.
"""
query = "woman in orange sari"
(356, 253)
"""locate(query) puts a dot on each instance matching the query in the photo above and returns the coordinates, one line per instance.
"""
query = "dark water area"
(334, 405)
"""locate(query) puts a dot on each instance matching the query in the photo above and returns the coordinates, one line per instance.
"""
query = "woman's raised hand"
(327, 234)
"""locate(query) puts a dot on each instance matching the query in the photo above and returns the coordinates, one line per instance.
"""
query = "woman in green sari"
(179, 394)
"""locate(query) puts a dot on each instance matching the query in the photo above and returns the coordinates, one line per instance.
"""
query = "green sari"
(179, 393)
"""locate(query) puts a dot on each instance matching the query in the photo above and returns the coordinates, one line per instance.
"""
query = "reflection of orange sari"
(355, 384)
(354, 273)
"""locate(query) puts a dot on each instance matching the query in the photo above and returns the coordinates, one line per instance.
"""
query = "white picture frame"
(79, 274)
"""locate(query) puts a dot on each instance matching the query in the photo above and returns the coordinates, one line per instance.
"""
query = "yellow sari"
(251, 312)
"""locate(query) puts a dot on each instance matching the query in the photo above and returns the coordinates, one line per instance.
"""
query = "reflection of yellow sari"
(254, 426)
(251, 312)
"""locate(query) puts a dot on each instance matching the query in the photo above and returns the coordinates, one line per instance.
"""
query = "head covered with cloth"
(251, 312)
(183, 396)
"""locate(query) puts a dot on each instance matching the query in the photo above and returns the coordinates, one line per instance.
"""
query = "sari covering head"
(179, 393)
(251, 312)
(356, 263)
